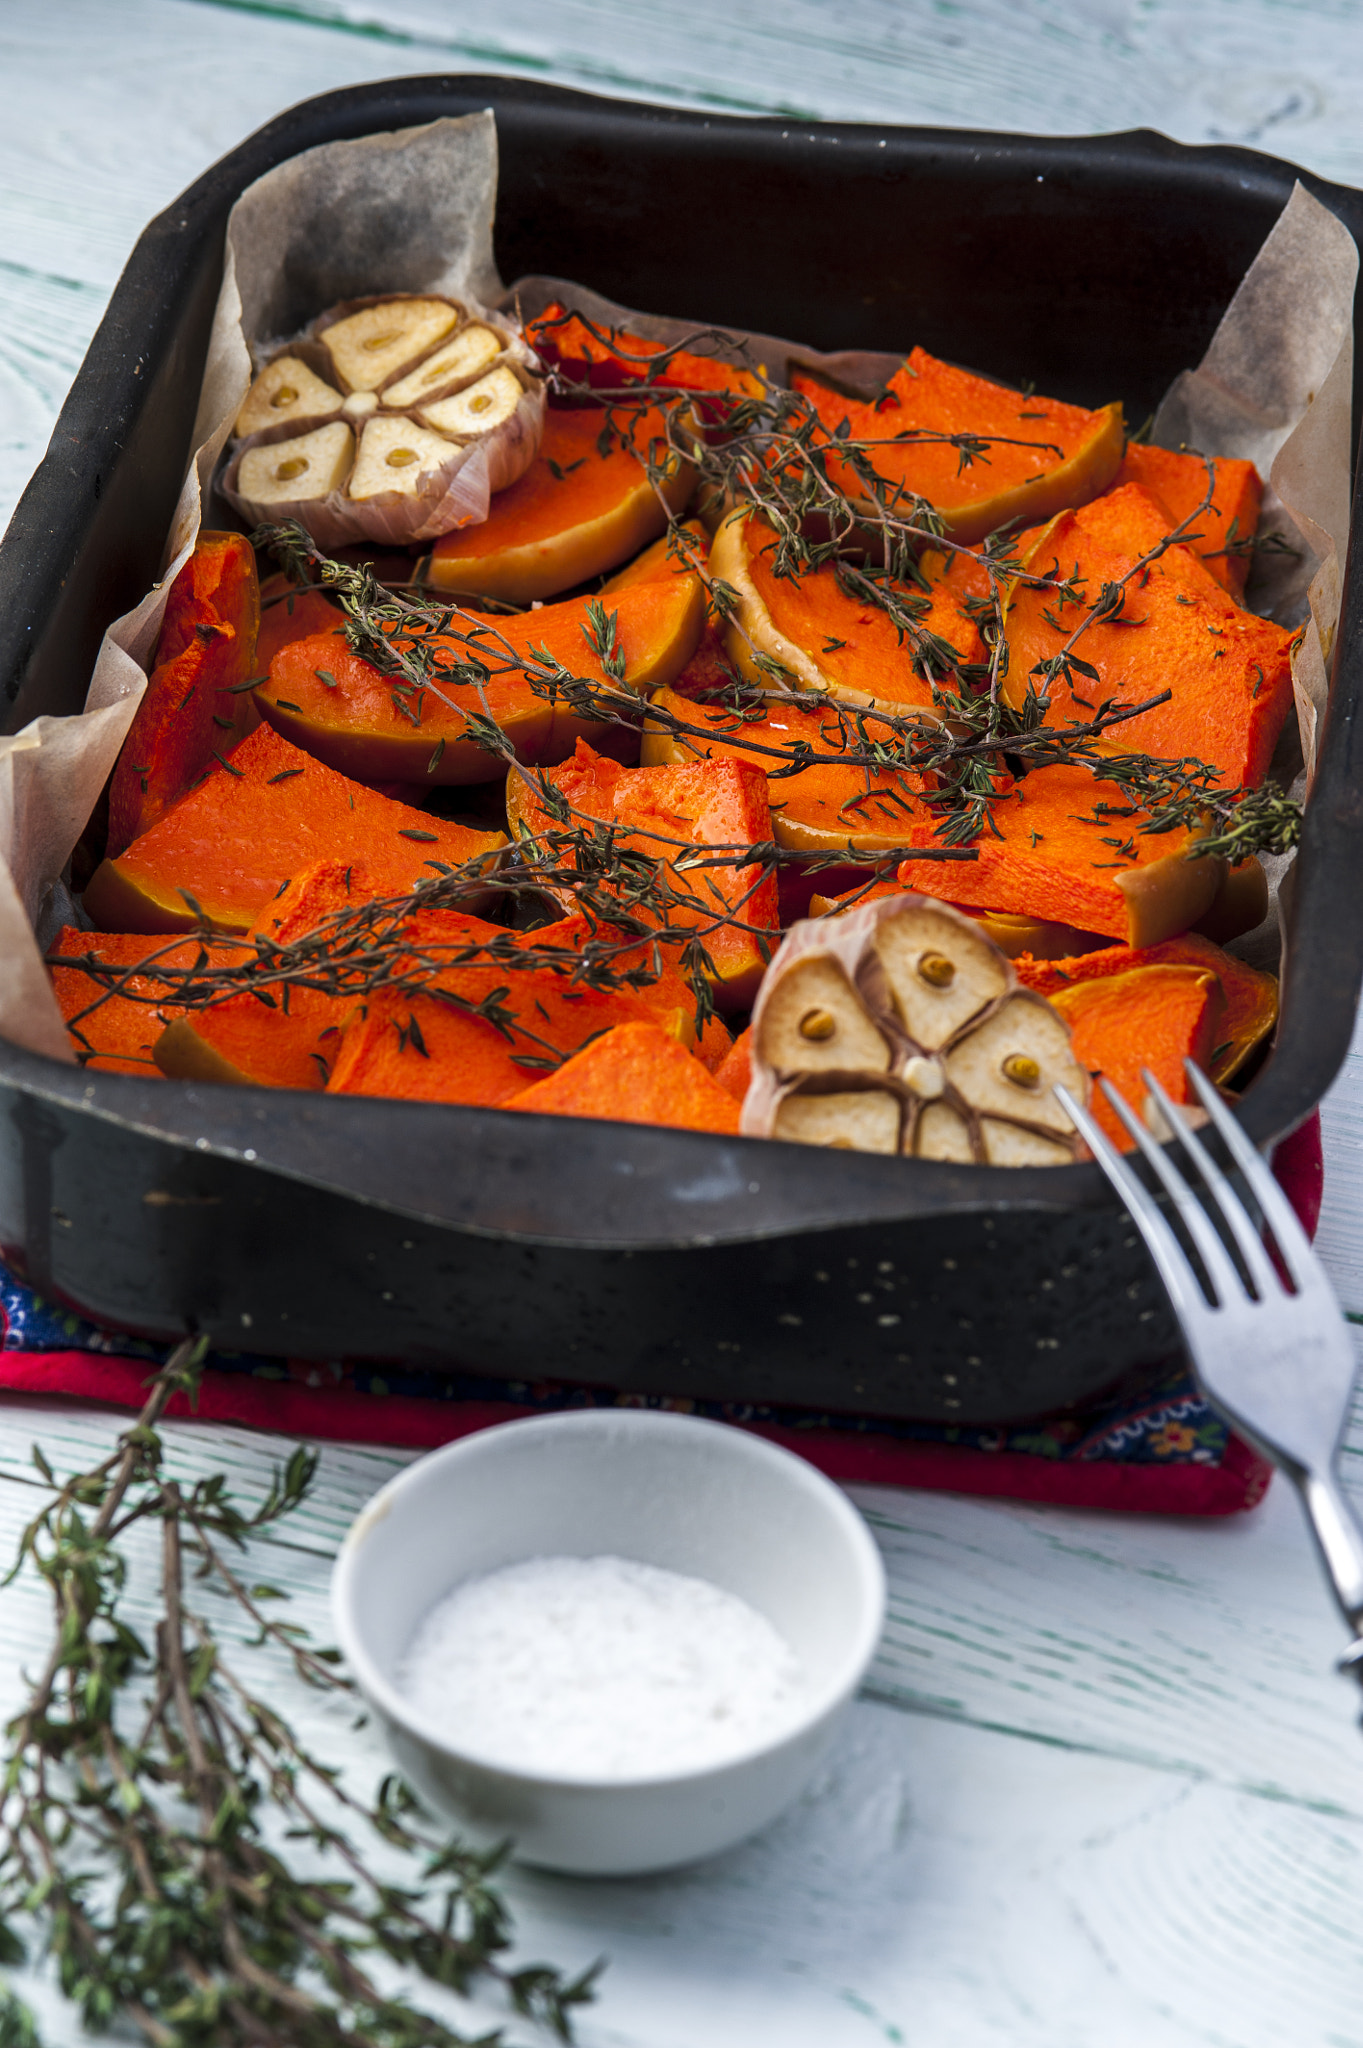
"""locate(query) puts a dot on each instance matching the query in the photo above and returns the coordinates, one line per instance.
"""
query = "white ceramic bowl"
(667, 1490)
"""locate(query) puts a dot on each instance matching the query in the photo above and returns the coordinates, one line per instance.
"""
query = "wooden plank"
(1197, 1648)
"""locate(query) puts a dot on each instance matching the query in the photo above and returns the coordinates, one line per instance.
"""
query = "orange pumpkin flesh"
(1153, 1017)
(663, 559)
(453, 1056)
(1052, 853)
(824, 809)
(1178, 484)
(122, 1032)
(339, 707)
(1042, 456)
(1249, 996)
(288, 1042)
(635, 1074)
(190, 709)
(297, 616)
(564, 340)
(707, 804)
(829, 640)
(1227, 669)
(734, 1071)
(250, 827)
(574, 514)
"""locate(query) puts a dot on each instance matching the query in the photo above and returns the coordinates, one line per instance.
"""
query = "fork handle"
(1340, 1542)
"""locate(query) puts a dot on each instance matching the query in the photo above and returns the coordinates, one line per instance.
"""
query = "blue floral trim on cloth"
(1165, 1423)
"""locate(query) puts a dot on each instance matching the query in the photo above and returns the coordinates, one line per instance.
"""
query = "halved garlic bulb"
(900, 1027)
(413, 477)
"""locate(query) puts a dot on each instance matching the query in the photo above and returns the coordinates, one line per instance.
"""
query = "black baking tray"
(651, 1260)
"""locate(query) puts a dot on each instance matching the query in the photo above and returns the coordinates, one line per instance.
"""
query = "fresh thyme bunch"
(192, 1866)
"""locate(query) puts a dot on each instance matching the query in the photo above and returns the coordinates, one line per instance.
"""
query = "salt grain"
(598, 1667)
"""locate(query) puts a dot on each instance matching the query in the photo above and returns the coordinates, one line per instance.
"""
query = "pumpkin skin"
(573, 515)
(1072, 456)
(355, 725)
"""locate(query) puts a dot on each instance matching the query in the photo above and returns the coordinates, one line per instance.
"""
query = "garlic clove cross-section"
(287, 390)
(379, 342)
(479, 409)
(900, 1027)
(285, 472)
(395, 455)
(472, 351)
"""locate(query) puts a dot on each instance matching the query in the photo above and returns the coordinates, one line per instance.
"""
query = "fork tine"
(1226, 1282)
(1281, 1217)
(1164, 1248)
(1222, 1194)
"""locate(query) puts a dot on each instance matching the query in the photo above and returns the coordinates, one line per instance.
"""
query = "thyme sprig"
(190, 1863)
(826, 504)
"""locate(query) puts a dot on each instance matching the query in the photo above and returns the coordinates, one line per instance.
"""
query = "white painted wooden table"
(1103, 1787)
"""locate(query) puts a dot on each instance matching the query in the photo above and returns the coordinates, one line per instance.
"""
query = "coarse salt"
(599, 1667)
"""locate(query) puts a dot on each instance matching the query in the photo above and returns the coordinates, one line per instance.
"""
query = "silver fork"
(1277, 1362)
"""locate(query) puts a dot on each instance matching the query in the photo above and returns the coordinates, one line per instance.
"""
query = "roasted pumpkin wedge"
(1222, 536)
(1177, 630)
(900, 1028)
(278, 1040)
(192, 705)
(435, 1048)
(288, 614)
(664, 813)
(566, 341)
(1065, 848)
(1249, 996)
(1039, 454)
(824, 809)
(649, 972)
(1153, 1017)
(1016, 935)
(676, 553)
(118, 1036)
(340, 708)
(828, 639)
(580, 509)
(263, 814)
(635, 1074)
(734, 1071)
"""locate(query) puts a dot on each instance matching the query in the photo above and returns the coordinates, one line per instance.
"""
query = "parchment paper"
(413, 211)
(408, 211)
(1276, 387)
